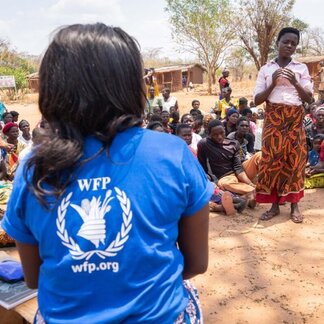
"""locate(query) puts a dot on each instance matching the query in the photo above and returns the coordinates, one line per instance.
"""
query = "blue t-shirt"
(313, 157)
(109, 246)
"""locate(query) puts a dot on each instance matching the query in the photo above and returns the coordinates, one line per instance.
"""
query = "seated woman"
(229, 123)
(11, 131)
(315, 128)
(25, 136)
(245, 139)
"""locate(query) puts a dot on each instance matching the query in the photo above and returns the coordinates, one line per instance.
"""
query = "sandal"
(297, 218)
(269, 214)
(227, 203)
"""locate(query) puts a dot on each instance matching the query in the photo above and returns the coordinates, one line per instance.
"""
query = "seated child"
(225, 201)
(313, 155)
(315, 173)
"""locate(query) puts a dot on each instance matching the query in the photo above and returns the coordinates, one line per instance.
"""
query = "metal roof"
(311, 59)
(182, 67)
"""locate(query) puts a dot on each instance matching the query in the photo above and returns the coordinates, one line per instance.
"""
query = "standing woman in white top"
(283, 84)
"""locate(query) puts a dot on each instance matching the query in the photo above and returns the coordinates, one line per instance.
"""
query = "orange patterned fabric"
(284, 155)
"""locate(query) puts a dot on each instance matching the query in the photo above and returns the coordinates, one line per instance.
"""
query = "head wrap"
(8, 126)
(231, 111)
(254, 110)
(319, 108)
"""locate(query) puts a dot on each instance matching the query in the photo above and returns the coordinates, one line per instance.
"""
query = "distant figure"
(321, 79)
(25, 136)
(168, 101)
(242, 104)
(184, 81)
(152, 101)
(226, 103)
(3, 109)
(223, 83)
(150, 81)
(15, 115)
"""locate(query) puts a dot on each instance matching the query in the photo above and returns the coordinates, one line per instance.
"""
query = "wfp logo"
(92, 213)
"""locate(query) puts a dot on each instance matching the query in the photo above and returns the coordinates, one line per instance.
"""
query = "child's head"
(155, 126)
(195, 104)
(247, 112)
(184, 131)
(195, 113)
(7, 117)
(165, 117)
(175, 117)
(15, 115)
(198, 123)
(156, 110)
(187, 119)
(317, 141)
(243, 103)
(24, 126)
(172, 109)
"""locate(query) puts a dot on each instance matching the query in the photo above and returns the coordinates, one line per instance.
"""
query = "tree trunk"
(210, 80)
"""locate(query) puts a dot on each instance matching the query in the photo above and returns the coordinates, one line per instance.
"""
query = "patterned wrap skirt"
(284, 155)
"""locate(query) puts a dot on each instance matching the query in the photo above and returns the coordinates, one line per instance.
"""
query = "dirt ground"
(259, 272)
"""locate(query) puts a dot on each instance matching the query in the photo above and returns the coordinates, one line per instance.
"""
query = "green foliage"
(13, 63)
(299, 24)
(262, 21)
(19, 73)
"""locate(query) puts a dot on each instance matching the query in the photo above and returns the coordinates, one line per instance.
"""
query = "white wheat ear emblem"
(92, 213)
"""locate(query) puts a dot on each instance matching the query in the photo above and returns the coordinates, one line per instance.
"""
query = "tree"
(236, 61)
(312, 42)
(13, 63)
(262, 21)
(203, 28)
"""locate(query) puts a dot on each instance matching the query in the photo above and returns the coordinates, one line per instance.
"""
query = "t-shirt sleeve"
(14, 221)
(198, 188)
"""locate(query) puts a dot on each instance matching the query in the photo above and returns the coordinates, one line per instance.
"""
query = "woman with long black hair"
(107, 221)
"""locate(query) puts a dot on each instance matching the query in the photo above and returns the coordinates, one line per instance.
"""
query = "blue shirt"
(109, 246)
(313, 157)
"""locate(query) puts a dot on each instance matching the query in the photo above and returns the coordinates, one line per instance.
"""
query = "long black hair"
(91, 83)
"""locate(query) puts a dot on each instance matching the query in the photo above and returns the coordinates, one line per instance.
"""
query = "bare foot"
(227, 203)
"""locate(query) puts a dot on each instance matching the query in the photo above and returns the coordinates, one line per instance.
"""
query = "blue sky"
(28, 24)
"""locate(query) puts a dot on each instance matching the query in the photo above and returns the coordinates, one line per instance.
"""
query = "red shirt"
(322, 152)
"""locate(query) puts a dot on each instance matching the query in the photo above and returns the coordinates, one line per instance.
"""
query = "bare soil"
(259, 272)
